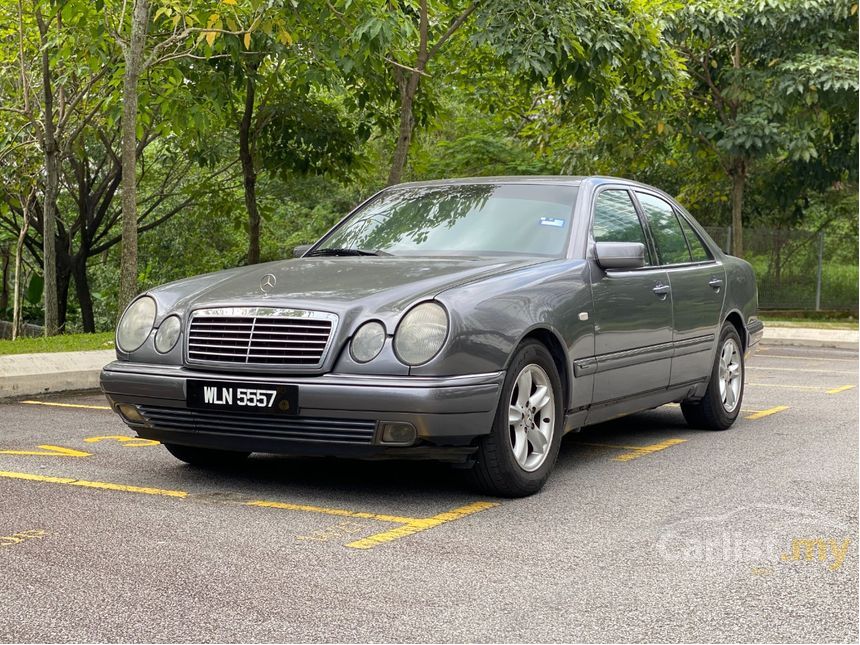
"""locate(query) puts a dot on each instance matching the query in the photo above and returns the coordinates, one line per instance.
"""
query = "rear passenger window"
(670, 241)
(697, 247)
(615, 220)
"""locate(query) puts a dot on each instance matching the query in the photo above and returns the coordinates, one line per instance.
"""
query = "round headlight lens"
(136, 324)
(167, 334)
(367, 342)
(421, 333)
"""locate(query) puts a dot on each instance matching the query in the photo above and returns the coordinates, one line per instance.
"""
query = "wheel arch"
(552, 341)
(734, 317)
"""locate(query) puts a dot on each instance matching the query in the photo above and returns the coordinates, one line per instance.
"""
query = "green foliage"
(669, 93)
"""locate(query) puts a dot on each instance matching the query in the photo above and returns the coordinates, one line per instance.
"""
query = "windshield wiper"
(344, 251)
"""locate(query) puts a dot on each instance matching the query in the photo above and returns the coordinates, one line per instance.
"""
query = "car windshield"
(469, 219)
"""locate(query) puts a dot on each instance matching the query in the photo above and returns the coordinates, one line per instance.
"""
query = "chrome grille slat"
(259, 336)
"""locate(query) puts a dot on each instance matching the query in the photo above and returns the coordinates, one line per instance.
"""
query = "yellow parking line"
(634, 451)
(332, 511)
(68, 405)
(841, 388)
(799, 369)
(418, 525)
(410, 525)
(753, 415)
(89, 484)
(647, 450)
(809, 388)
(766, 413)
(807, 358)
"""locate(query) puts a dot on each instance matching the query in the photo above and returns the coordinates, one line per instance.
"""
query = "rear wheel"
(516, 458)
(721, 404)
(206, 457)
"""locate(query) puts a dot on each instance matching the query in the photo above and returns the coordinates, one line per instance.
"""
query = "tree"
(146, 40)
(54, 99)
(764, 76)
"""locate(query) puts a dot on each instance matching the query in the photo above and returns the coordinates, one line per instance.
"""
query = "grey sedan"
(474, 321)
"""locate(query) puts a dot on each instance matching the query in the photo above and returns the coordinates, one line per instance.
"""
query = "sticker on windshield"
(552, 221)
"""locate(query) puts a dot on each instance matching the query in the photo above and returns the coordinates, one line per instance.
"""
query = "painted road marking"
(127, 441)
(647, 450)
(766, 413)
(410, 525)
(634, 452)
(419, 525)
(68, 405)
(807, 358)
(331, 511)
(752, 415)
(808, 388)
(70, 481)
(799, 369)
(21, 536)
(49, 451)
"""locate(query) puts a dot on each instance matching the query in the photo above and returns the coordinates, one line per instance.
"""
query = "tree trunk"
(408, 87)
(82, 290)
(249, 174)
(133, 54)
(51, 152)
(407, 83)
(739, 178)
(64, 278)
(4, 281)
(16, 292)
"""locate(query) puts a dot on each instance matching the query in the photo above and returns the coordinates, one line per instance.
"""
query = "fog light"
(130, 413)
(398, 432)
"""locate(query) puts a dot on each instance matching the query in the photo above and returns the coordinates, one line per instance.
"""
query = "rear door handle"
(662, 290)
(715, 283)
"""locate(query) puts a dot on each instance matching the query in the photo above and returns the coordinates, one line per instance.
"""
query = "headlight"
(167, 334)
(367, 342)
(136, 324)
(421, 333)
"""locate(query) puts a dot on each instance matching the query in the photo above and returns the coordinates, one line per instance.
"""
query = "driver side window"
(615, 220)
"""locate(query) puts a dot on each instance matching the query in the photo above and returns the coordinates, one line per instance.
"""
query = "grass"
(63, 343)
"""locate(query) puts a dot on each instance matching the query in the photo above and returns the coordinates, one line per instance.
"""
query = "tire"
(498, 470)
(721, 404)
(206, 457)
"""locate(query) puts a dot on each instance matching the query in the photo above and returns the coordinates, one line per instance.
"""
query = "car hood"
(366, 284)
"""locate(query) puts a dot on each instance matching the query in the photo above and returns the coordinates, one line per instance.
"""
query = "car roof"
(559, 180)
(512, 179)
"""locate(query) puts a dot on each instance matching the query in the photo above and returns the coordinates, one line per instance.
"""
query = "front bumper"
(339, 414)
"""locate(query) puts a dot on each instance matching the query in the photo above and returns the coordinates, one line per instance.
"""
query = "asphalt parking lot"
(646, 531)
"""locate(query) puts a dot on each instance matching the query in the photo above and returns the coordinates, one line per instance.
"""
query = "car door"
(632, 308)
(697, 280)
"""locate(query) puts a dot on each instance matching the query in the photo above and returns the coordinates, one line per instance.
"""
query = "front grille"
(354, 431)
(259, 336)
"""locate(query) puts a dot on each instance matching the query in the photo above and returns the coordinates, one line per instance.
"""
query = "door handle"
(661, 290)
(715, 283)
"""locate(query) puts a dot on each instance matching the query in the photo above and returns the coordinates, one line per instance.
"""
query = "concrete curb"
(31, 374)
(806, 337)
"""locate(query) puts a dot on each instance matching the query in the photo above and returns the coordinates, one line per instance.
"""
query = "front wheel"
(721, 404)
(206, 457)
(516, 458)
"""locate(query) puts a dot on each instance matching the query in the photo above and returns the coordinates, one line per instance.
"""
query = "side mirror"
(620, 255)
(301, 249)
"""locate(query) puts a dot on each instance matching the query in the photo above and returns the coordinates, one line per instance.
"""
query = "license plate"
(249, 397)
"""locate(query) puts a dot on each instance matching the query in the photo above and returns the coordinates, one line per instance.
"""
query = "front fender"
(490, 318)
